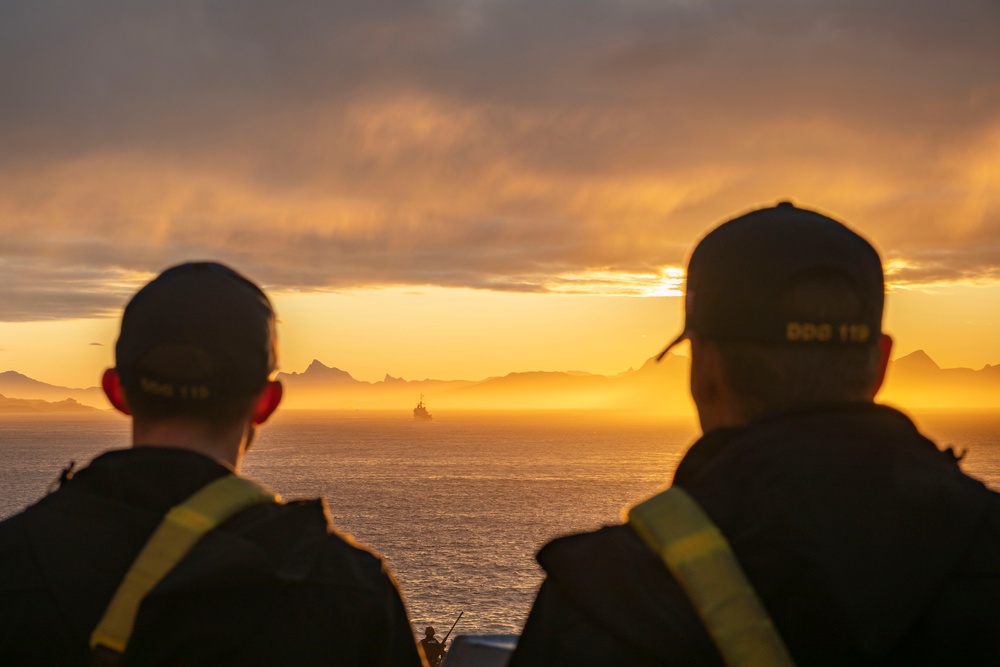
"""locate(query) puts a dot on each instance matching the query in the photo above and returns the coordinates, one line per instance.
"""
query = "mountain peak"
(319, 371)
(918, 360)
(14, 375)
(316, 366)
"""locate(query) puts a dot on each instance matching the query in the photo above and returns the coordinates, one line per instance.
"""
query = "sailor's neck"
(226, 446)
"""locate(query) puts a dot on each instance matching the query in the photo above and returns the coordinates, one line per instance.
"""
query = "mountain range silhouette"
(914, 381)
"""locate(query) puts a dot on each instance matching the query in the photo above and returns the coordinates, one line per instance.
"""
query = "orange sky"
(460, 188)
(419, 333)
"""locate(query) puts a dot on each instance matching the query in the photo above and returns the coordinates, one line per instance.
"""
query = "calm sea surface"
(457, 506)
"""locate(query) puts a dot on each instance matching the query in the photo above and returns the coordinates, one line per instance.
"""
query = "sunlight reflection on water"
(457, 506)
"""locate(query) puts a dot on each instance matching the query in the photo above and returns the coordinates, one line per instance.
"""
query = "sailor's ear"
(714, 399)
(268, 401)
(885, 349)
(112, 385)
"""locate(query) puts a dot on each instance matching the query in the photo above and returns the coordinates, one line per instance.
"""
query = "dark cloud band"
(511, 145)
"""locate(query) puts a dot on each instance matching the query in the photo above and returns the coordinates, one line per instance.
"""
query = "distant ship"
(420, 412)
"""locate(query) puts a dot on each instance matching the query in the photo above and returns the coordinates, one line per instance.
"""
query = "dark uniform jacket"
(274, 585)
(865, 542)
(433, 650)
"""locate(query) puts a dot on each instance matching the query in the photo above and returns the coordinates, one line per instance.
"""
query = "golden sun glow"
(459, 194)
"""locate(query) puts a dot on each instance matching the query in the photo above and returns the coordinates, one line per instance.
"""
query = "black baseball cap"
(738, 272)
(199, 331)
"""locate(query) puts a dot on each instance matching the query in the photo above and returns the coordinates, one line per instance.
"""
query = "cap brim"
(679, 339)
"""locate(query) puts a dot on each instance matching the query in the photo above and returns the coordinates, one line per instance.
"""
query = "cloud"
(52, 287)
(967, 264)
(515, 145)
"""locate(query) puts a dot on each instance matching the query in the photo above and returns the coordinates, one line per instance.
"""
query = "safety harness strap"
(704, 565)
(176, 535)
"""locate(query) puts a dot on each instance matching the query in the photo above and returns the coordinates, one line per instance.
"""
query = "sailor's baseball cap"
(197, 332)
(738, 273)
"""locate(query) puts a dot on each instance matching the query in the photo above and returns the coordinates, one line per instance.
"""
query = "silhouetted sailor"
(808, 524)
(433, 649)
(162, 554)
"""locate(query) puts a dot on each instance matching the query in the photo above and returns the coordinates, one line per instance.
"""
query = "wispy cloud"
(530, 146)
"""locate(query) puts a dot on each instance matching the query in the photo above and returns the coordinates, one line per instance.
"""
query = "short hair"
(769, 378)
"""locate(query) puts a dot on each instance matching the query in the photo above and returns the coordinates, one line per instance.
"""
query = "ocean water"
(457, 506)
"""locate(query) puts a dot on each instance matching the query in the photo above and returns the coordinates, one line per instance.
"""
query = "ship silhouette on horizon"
(420, 412)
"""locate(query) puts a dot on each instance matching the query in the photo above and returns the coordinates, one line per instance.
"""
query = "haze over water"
(457, 506)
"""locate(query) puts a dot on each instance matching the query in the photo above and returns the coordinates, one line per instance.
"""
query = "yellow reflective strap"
(703, 563)
(690, 548)
(179, 531)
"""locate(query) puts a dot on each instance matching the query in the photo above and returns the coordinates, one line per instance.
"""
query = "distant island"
(36, 406)
(17, 385)
(914, 381)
